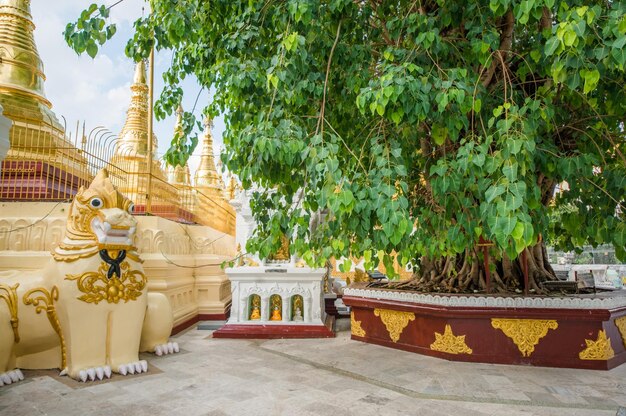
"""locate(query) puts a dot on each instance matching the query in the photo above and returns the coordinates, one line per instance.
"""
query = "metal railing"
(45, 164)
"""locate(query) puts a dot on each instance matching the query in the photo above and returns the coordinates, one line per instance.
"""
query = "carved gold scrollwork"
(395, 321)
(525, 333)
(9, 294)
(450, 343)
(355, 326)
(599, 349)
(45, 302)
(97, 287)
(620, 323)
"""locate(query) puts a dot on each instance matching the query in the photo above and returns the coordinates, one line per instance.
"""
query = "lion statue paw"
(11, 377)
(164, 349)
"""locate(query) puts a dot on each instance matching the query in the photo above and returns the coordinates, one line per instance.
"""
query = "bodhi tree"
(421, 130)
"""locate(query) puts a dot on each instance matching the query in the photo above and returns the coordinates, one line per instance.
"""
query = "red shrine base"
(248, 331)
(583, 332)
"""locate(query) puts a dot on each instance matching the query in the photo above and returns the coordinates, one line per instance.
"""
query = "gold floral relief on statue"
(395, 321)
(620, 323)
(355, 326)
(44, 301)
(9, 294)
(450, 343)
(599, 349)
(98, 286)
(525, 333)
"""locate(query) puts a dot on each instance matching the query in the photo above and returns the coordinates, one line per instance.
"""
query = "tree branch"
(506, 40)
(320, 122)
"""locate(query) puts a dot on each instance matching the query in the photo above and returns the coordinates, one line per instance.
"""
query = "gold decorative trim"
(620, 323)
(96, 286)
(450, 343)
(525, 333)
(395, 321)
(45, 302)
(10, 297)
(599, 349)
(355, 326)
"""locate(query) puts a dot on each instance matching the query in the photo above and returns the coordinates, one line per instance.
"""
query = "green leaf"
(551, 46)
(92, 49)
(493, 192)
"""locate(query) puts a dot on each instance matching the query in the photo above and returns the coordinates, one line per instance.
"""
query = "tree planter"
(574, 332)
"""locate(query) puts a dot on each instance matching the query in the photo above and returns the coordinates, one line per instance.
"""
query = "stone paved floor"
(216, 377)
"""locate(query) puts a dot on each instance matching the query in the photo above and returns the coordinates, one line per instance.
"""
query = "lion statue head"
(100, 218)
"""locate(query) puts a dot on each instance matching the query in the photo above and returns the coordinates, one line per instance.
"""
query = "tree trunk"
(465, 273)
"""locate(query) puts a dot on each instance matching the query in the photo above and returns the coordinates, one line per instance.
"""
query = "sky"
(97, 91)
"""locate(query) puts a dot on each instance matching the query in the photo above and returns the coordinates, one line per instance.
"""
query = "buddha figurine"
(297, 314)
(276, 313)
(297, 308)
(255, 313)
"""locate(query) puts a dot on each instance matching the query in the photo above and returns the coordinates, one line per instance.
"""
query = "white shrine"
(273, 298)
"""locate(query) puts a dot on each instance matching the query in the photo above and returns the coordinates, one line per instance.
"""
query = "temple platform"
(579, 331)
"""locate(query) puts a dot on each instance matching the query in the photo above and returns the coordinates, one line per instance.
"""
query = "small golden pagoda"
(131, 155)
(39, 149)
(207, 178)
(180, 178)
(213, 210)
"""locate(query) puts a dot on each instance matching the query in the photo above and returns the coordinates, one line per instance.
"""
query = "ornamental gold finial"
(140, 73)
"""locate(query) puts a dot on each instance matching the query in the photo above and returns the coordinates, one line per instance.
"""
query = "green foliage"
(90, 30)
(415, 128)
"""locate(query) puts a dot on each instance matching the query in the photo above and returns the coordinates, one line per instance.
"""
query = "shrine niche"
(254, 313)
(276, 308)
(297, 308)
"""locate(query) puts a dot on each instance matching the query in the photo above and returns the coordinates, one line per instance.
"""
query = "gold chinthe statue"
(94, 292)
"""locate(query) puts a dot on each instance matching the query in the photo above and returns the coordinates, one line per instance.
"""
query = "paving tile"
(218, 377)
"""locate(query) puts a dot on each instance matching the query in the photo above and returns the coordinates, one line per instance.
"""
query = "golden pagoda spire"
(134, 135)
(207, 176)
(36, 134)
(131, 151)
(21, 69)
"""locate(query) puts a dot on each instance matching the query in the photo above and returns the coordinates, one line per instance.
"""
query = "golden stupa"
(131, 155)
(213, 210)
(207, 178)
(180, 178)
(36, 135)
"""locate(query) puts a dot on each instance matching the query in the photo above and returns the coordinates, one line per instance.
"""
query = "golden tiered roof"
(36, 133)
